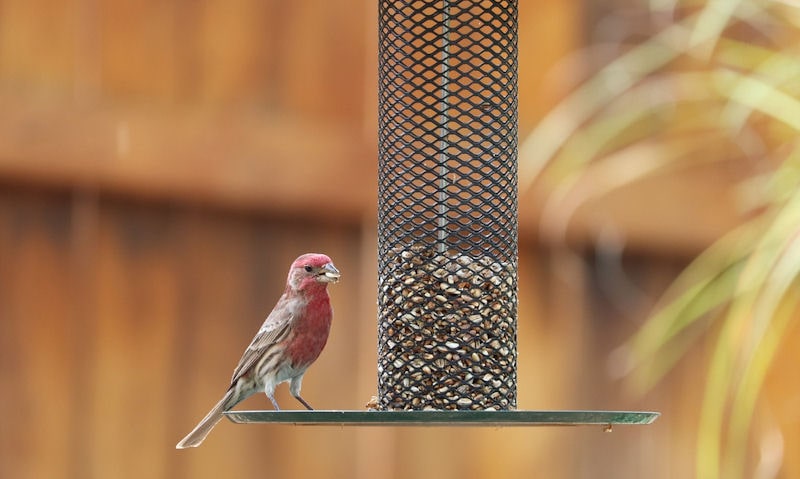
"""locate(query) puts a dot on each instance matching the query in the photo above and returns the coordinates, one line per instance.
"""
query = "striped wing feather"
(275, 329)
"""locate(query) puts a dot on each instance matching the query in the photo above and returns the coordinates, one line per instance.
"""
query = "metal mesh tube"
(447, 204)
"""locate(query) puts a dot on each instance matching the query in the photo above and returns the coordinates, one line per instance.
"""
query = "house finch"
(291, 338)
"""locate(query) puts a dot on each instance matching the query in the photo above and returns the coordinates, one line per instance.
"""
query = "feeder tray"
(445, 418)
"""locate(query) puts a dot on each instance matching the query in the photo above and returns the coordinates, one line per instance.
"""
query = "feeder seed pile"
(447, 334)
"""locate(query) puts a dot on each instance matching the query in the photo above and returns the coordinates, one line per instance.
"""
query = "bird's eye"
(309, 269)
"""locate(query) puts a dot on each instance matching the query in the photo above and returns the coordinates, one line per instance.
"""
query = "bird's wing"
(275, 329)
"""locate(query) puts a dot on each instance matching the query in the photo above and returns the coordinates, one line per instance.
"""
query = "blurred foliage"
(711, 81)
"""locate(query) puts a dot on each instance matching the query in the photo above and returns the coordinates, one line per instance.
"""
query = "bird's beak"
(328, 274)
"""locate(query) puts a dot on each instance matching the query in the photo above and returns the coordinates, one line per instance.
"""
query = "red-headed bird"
(291, 338)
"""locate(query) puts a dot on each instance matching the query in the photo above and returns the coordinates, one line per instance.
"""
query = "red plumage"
(290, 340)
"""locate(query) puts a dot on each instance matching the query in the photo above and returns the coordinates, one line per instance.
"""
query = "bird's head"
(310, 269)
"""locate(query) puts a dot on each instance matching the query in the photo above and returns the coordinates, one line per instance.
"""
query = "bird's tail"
(199, 433)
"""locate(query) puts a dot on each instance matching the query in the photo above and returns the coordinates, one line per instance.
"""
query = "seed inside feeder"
(455, 312)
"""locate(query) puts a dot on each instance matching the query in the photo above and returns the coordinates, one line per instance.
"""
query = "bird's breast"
(311, 328)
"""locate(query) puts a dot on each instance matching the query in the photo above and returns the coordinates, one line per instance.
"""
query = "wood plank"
(37, 45)
(234, 51)
(38, 377)
(83, 242)
(234, 159)
(135, 304)
(135, 47)
(10, 460)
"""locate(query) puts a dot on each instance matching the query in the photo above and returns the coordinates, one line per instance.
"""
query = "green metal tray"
(444, 418)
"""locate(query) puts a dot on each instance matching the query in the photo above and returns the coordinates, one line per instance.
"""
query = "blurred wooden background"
(161, 163)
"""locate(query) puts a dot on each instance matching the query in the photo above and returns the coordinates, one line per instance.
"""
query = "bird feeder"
(447, 205)
(447, 226)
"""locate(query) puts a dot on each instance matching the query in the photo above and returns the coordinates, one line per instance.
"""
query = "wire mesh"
(447, 234)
